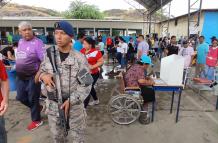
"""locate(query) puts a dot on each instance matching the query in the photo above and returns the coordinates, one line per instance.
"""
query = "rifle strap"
(68, 126)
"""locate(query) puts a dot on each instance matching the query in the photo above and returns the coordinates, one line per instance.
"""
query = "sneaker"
(41, 108)
(95, 102)
(144, 118)
(119, 66)
(34, 125)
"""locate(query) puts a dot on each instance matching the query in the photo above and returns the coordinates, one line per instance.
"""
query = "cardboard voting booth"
(172, 68)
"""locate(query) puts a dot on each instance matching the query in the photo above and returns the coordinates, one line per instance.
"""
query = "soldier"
(69, 62)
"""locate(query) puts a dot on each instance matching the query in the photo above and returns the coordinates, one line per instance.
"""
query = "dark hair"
(214, 40)
(15, 44)
(121, 38)
(90, 41)
(201, 36)
(173, 37)
(99, 39)
(81, 35)
(139, 63)
(142, 36)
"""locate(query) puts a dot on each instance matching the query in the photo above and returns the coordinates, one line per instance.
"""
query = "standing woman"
(95, 61)
(211, 61)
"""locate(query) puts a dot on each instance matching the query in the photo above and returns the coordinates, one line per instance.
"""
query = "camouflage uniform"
(77, 119)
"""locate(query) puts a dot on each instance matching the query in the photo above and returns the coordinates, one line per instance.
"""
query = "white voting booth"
(171, 71)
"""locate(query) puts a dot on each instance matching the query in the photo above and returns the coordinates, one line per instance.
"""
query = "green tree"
(81, 10)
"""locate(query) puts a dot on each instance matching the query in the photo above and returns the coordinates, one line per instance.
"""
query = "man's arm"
(180, 51)
(10, 56)
(147, 81)
(192, 56)
(166, 51)
(40, 51)
(4, 87)
(44, 72)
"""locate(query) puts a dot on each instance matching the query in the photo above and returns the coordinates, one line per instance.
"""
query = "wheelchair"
(126, 107)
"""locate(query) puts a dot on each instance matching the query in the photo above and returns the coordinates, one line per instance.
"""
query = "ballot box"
(171, 70)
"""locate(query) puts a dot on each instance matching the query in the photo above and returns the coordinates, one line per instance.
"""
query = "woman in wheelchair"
(135, 77)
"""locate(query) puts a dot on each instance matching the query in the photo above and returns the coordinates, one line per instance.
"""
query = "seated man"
(135, 77)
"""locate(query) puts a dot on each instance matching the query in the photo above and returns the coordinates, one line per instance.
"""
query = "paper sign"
(171, 70)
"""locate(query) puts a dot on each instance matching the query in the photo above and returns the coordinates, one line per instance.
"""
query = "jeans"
(119, 57)
(3, 134)
(208, 73)
(123, 62)
(148, 94)
(28, 93)
(93, 92)
(199, 69)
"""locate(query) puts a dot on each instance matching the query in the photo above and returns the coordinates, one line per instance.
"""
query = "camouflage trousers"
(77, 122)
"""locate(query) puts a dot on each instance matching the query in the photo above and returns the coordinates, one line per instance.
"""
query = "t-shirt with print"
(132, 76)
(119, 48)
(29, 55)
(187, 53)
(202, 50)
(3, 77)
(92, 57)
(123, 48)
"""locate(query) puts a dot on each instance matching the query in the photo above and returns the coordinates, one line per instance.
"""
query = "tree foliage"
(80, 10)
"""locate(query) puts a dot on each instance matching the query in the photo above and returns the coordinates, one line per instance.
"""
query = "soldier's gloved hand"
(65, 106)
(48, 80)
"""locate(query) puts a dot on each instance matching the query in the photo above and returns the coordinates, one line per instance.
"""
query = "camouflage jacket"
(77, 62)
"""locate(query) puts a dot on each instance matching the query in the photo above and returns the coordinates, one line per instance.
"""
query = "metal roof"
(153, 5)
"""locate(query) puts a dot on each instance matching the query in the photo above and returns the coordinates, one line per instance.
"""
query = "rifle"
(64, 121)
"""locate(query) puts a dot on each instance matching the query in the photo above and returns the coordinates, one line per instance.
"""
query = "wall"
(77, 23)
(210, 25)
(181, 29)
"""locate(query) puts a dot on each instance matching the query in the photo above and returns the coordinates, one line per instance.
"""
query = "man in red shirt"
(109, 43)
(4, 93)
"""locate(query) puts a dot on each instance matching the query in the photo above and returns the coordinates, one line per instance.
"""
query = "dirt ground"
(198, 121)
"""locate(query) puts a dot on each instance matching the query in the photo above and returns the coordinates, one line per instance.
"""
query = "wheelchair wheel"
(124, 109)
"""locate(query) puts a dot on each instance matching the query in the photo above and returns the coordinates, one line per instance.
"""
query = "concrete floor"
(198, 121)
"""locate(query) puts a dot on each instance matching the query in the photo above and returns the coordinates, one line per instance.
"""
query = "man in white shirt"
(188, 53)
(143, 47)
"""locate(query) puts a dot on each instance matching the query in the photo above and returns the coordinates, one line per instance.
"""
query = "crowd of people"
(34, 70)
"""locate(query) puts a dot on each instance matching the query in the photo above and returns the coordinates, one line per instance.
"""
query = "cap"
(146, 59)
(65, 26)
(214, 37)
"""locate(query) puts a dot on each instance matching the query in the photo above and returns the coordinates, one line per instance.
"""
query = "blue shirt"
(77, 45)
(202, 51)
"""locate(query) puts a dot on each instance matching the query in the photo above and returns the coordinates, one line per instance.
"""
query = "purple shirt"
(29, 55)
